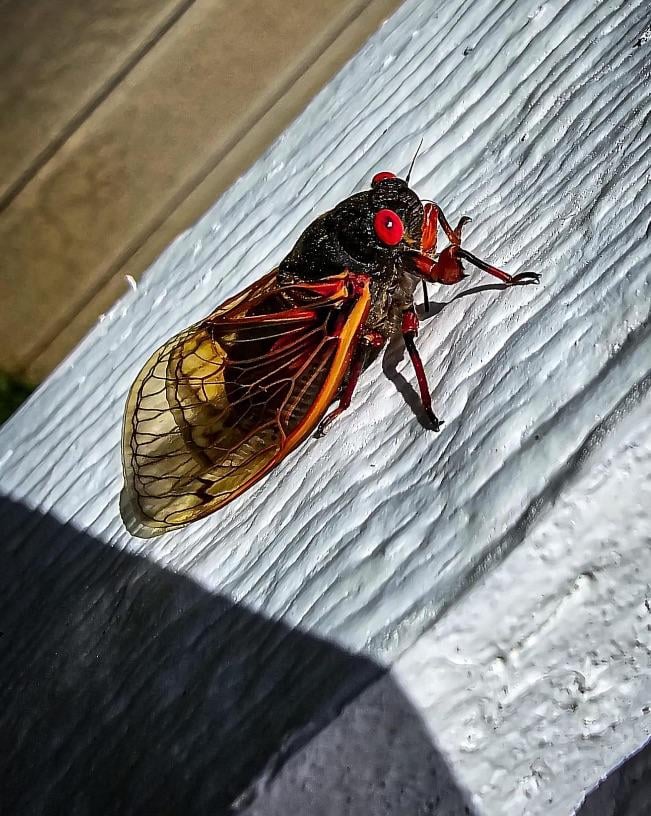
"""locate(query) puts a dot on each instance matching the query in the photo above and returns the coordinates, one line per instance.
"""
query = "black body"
(344, 239)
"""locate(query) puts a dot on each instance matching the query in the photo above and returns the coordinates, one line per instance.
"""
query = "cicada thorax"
(390, 298)
(351, 237)
(364, 234)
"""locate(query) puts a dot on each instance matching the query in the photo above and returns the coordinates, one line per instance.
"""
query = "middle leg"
(360, 357)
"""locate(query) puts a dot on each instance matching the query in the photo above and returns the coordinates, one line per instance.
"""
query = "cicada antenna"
(411, 166)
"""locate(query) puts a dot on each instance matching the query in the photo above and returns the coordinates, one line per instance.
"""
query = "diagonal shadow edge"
(126, 688)
(624, 791)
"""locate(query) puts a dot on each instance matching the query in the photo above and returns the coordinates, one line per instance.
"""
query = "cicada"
(223, 402)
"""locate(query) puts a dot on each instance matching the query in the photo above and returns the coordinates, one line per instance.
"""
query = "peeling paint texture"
(430, 623)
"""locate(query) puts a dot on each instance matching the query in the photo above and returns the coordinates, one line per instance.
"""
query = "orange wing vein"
(221, 403)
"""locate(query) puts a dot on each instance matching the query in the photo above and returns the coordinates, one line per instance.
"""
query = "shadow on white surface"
(625, 791)
(126, 688)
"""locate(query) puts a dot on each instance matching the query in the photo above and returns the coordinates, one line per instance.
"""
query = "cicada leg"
(360, 357)
(430, 228)
(409, 331)
(433, 215)
(447, 268)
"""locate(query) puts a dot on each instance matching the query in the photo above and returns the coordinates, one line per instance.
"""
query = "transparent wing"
(223, 402)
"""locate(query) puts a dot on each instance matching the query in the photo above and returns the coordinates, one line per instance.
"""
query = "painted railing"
(393, 615)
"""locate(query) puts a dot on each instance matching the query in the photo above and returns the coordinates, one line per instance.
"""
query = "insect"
(223, 402)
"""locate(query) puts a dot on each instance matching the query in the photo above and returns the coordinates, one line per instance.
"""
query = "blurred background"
(121, 121)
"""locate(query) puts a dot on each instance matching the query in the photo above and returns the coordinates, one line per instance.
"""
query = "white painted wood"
(539, 680)
(536, 682)
(535, 122)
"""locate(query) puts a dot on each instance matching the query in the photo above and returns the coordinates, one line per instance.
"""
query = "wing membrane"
(221, 403)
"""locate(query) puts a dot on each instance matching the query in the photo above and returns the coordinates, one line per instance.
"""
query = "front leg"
(447, 269)
(433, 216)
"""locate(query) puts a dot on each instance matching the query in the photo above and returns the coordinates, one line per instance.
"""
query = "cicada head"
(397, 212)
(365, 233)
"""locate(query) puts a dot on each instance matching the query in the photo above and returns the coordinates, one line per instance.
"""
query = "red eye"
(378, 177)
(388, 227)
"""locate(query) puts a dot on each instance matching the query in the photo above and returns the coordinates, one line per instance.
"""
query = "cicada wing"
(221, 403)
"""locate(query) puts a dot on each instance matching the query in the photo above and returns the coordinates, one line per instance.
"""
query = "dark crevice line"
(195, 180)
(91, 106)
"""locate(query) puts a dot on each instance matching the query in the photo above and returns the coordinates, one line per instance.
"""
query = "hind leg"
(409, 332)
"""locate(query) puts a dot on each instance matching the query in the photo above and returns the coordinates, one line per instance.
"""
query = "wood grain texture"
(535, 122)
(535, 684)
